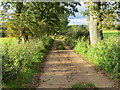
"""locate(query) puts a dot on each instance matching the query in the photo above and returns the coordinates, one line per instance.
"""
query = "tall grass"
(21, 61)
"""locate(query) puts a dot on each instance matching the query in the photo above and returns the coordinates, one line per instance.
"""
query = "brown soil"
(64, 68)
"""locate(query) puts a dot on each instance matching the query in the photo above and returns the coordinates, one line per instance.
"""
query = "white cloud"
(79, 19)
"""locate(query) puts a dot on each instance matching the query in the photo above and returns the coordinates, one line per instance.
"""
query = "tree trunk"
(100, 18)
(26, 38)
(100, 35)
(95, 33)
(93, 30)
(19, 6)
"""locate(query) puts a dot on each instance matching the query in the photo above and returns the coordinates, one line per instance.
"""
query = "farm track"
(64, 68)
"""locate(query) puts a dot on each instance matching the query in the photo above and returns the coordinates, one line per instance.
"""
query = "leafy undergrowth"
(104, 55)
(21, 61)
(60, 46)
(81, 85)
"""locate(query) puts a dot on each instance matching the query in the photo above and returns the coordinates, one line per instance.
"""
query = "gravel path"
(64, 68)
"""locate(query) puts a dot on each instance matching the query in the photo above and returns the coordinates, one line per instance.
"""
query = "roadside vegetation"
(21, 61)
(104, 55)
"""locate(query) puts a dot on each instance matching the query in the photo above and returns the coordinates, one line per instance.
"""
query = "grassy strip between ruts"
(60, 46)
(83, 85)
(21, 61)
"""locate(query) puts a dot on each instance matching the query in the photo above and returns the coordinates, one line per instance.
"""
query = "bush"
(22, 58)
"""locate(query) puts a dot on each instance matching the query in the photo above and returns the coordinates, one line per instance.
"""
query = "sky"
(79, 19)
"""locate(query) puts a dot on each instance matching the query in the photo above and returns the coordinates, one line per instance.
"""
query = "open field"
(107, 34)
(7, 39)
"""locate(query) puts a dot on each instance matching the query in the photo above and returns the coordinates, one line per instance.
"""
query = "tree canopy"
(33, 19)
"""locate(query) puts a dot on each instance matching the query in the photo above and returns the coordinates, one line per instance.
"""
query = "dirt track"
(64, 68)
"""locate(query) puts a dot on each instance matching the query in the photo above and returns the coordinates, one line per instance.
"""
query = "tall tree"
(93, 23)
(102, 16)
(30, 19)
